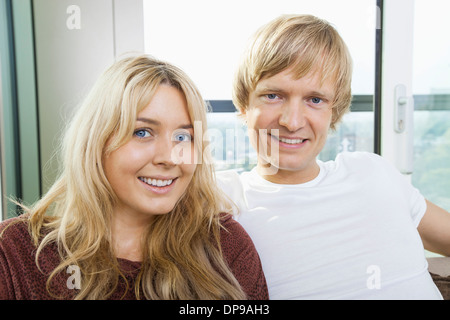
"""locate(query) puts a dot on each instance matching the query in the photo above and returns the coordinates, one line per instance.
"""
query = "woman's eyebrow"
(186, 126)
(158, 123)
(149, 121)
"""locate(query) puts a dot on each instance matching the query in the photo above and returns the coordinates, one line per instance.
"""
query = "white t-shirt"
(351, 233)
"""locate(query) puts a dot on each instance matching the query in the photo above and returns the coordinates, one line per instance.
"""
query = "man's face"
(294, 117)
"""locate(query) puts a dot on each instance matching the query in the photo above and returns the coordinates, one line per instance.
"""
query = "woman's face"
(151, 172)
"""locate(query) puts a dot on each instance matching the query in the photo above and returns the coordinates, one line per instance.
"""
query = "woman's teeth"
(156, 182)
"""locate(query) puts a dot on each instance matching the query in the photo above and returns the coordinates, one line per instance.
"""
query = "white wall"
(75, 41)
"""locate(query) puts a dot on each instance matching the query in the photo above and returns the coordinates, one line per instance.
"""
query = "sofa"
(439, 268)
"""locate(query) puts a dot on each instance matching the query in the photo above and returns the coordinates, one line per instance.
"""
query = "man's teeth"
(291, 141)
(156, 182)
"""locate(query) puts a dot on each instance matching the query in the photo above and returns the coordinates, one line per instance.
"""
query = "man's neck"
(288, 176)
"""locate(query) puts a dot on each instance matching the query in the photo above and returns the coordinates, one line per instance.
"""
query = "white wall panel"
(75, 41)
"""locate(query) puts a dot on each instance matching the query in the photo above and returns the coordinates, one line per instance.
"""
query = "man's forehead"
(287, 78)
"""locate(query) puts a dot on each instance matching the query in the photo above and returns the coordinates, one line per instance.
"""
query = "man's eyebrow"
(265, 88)
(321, 94)
(274, 89)
(157, 123)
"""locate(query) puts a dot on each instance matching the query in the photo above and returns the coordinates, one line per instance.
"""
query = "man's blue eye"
(316, 100)
(272, 96)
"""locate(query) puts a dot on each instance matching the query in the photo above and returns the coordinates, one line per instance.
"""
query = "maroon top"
(21, 279)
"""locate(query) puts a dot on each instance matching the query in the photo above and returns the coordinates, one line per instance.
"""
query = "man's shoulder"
(358, 156)
(360, 159)
(230, 183)
(357, 164)
(227, 176)
(228, 180)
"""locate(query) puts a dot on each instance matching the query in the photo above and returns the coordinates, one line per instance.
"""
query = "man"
(352, 228)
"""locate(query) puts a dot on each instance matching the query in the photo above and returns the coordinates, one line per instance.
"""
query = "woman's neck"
(127, 233)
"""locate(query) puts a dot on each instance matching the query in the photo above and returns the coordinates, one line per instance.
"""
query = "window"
(206, 38)
(431, 87)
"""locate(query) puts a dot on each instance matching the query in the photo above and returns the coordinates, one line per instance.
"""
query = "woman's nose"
(164, 152)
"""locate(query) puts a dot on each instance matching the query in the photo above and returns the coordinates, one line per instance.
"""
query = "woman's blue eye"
(183, 137)
(141, 133)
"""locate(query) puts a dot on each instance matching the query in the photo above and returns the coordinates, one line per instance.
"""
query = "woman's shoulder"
(243, 259)
(15, 239)
(232, 229)
(235, 241)
(14, 229)
(18, 267)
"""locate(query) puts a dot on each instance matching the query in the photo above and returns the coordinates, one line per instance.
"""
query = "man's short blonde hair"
(305, 44)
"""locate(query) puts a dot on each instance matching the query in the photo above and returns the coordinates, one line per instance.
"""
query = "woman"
(135, 213)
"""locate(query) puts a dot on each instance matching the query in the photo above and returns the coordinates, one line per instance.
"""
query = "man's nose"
(293, 116)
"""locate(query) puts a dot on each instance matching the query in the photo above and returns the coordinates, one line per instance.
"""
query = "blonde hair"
(303, 42)
(182, 258)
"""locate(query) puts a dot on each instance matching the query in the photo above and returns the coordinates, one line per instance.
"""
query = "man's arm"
(434, 229)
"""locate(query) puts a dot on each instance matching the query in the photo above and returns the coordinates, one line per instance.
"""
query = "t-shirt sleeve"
(243, 259)
(414, 199)
(418, 206)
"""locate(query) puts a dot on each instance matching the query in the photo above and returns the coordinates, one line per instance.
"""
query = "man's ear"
(242, 115)
(242, 112)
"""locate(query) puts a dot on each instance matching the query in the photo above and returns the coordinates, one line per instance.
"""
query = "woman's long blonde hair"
(182, 258)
